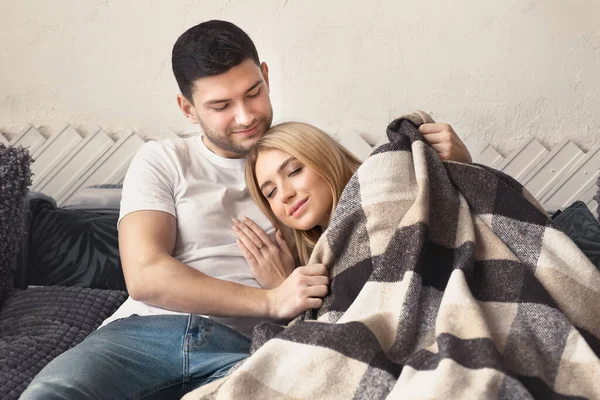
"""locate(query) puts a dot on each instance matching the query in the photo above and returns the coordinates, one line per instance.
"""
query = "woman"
(296, 174)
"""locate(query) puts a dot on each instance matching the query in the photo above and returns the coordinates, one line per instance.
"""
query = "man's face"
(233, 108)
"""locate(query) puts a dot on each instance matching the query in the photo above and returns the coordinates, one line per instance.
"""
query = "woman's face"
(298, 197)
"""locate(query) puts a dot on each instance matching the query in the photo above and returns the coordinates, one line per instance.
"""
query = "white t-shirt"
(204, 192)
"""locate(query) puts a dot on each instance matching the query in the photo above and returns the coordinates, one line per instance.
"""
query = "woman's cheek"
(280, 213)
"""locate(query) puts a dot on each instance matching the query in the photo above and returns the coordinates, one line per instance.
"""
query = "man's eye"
(220, 108)
(254, 94)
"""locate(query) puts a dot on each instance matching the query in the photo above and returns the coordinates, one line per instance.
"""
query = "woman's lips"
(298, 208)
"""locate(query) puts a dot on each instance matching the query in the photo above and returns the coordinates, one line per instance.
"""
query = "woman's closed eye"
(292, 173)
(295, 171)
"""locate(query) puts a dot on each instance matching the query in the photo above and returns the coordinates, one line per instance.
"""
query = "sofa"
(61, 272)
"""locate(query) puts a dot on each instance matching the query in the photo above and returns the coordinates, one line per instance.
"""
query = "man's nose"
(244, 116)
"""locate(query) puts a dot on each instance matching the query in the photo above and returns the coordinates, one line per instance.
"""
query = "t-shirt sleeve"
(149, 182)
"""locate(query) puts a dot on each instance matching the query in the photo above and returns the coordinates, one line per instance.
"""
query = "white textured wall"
(496, 70)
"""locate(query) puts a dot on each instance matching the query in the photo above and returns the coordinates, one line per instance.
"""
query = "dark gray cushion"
(578, 222)
(38, 324)
(73, 247)
(22, 261)
(598, 199)
(15, 178)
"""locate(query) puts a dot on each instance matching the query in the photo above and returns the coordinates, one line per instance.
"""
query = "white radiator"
(66, 162)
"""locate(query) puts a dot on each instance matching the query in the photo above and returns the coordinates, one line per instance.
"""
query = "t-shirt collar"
(230, 163)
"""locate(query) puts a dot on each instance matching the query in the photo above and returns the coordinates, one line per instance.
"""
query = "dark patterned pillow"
(73, 247)
(578, 222)
(15, 178)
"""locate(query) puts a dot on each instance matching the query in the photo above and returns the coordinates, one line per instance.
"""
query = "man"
(178, 252)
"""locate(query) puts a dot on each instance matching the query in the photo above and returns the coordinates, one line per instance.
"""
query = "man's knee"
(71, 375)
(50, 389)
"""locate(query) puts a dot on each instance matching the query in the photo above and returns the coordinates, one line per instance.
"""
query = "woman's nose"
(287, 192)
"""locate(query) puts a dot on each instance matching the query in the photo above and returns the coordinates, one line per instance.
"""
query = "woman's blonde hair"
(317, 151)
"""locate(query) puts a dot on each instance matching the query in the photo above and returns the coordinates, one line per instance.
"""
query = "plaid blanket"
(448, 281)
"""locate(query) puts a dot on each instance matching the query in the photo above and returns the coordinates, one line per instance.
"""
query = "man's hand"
(302, 290)
(445, 142)
(270, 263)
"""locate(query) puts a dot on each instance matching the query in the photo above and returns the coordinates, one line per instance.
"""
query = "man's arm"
(146, 242)
(445, 142)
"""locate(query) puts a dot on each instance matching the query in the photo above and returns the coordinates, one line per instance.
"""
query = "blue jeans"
(152, 357)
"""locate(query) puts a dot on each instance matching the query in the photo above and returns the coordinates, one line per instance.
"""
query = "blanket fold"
(447, 281)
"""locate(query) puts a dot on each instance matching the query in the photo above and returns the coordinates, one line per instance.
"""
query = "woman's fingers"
(246, 253)
(283, 244)
(256, 230)
(247, 242)
(243, 227)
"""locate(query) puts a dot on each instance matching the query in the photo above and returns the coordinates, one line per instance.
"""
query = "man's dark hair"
(207, 49)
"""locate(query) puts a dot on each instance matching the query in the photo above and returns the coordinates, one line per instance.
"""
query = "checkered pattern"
(447, 282)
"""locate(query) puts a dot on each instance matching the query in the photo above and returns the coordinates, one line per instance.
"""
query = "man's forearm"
(173, 285)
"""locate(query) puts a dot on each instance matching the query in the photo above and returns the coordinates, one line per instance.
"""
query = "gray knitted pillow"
(598, 199)
(15, 178)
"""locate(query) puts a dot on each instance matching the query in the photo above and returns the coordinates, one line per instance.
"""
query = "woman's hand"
(270, 263)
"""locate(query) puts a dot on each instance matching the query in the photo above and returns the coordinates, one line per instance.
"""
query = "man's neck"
(219, 151)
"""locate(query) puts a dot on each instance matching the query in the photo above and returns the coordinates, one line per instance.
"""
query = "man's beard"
(226, 142)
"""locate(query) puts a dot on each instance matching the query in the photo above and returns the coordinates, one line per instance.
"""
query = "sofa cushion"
(22, 261)
(96, 197)
(578, 222)
(38, 324)
(73, 247)
(597, 198)
(15, 178)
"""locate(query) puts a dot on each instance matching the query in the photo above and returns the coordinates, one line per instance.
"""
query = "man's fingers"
(440, 137)
(314, 302)
(426, 129)
(317, 280)
(441, 148)
(433, 138)
(313, 270)
(317, 291)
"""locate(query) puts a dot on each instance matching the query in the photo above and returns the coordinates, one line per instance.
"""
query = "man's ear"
(264, 68)
(187, 108)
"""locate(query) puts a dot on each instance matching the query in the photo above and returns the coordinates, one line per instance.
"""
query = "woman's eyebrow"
(281, 167)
